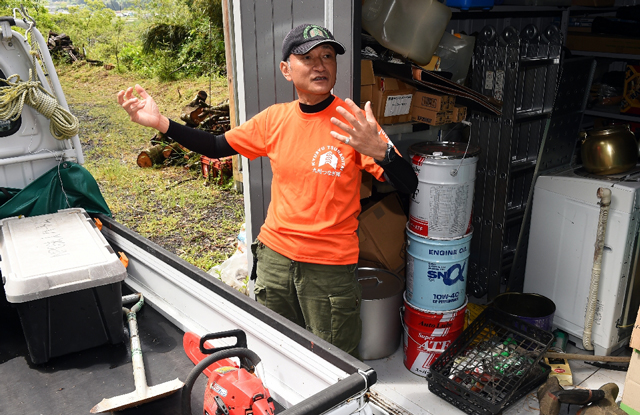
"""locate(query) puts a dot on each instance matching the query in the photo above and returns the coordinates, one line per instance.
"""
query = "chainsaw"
(231, 389)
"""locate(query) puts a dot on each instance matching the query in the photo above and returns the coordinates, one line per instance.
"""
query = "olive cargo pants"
(324, 299)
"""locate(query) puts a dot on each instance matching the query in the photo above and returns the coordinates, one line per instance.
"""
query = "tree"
(37, 9)
(89, 25)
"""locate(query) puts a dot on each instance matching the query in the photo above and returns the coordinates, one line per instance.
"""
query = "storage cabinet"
(612, 54)
(536, 134)
(518, 60)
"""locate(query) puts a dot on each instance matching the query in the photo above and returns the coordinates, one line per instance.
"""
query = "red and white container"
(441, 205)
(427, 334)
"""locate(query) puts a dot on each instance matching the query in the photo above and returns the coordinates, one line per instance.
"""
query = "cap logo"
(312, 31)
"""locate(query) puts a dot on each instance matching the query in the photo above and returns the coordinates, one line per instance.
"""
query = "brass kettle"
(609, 150)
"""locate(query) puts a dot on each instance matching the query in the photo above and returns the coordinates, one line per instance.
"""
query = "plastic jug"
(412, 28)
(455, 52)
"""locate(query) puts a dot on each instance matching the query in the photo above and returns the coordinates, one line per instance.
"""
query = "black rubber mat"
(74, 383)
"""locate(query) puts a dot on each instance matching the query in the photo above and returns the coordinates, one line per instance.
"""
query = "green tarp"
(67, 185)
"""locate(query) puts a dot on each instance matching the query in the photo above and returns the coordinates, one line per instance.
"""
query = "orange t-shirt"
(315, 191)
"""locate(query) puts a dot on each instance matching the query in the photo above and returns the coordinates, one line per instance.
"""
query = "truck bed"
(305, 374)
(74, 383)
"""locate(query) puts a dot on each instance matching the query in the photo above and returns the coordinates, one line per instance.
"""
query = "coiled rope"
(16, 93)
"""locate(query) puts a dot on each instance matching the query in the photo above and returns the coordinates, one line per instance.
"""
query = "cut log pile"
(199, 115)
(61, 45)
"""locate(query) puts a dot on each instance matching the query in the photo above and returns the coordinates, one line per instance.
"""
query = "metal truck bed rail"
(303, 372)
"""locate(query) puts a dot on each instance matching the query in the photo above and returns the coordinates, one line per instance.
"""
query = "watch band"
(389, 156)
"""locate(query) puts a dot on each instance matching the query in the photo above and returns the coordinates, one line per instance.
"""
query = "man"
(307, 249)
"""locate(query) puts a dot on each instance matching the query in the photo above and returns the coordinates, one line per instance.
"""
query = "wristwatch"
(389, 156)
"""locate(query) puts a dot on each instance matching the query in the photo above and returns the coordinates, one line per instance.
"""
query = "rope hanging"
(63, 124)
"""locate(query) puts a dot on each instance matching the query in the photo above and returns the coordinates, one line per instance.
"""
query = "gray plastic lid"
(48, 255)
(443, 150)
(378, 284)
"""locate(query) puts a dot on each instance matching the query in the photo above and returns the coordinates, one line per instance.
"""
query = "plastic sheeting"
(65, 186)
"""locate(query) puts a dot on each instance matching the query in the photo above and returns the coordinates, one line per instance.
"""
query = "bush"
(157, 43)
(134, 60)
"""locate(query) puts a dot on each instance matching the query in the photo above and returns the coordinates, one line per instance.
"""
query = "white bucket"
(441, 205)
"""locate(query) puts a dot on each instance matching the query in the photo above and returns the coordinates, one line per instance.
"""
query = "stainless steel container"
(380, 313)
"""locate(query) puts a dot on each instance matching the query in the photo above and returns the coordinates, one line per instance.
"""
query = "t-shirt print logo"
(328, 158)
(329, 161)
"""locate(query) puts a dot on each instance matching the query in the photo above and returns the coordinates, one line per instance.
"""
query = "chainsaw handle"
(242, 353)
(241, 340)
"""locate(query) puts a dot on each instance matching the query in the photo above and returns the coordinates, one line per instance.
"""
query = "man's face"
(313, 74)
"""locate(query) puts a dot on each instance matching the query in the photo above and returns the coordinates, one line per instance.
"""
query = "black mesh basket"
(493, 363)
(537, 376)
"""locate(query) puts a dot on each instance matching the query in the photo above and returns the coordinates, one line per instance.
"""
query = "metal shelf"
(612, 113)
(510, 8)
(617, 56)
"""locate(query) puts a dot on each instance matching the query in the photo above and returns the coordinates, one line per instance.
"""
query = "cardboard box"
(366, 186)
(382, 234)
(391, 100)
(635, 334)
(631, 96)
(603, 43)
(433, 102)
(448, 117)
(459, 113)
(631, 394)
(429, 117)
(366, 94)
(366, 73)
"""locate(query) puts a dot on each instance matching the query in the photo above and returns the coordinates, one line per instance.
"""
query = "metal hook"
(26, 15)
(455, 171)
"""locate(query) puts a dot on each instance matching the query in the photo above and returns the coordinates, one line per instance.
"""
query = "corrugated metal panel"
(258, 29)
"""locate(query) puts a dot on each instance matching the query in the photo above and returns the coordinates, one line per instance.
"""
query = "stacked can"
(438, 239)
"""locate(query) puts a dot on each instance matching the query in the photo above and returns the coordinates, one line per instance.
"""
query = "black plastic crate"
(492, 362)
(536, 377)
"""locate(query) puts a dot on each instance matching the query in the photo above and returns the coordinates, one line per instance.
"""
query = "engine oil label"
(447, 273)
(436, 273)
(441, 211)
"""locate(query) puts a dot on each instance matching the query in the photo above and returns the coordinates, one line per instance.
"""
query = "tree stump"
(151, 156)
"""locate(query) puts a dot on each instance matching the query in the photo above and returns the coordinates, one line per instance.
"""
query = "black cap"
(305, 37)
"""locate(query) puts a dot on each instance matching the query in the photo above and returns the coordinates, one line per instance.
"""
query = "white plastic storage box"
(65, 281)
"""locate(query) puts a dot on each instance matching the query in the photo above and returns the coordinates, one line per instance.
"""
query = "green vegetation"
(166, 39)
(174, 48)
(173, 206)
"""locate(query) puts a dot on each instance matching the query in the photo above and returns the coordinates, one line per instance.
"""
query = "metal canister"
(441, 205)
(381, 301)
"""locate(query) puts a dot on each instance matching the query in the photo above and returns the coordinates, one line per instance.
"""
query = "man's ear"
(284, 68)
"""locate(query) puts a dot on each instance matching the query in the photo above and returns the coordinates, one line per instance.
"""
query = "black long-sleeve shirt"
(399, 172)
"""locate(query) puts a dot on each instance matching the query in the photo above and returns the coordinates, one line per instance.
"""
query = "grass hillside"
(172, 206)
